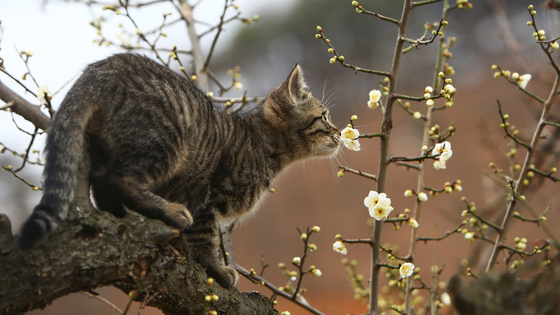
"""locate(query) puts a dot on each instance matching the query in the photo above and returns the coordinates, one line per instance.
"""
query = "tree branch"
(20, 106)
(93, 248)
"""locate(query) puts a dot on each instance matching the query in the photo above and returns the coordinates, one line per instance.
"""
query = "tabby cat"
(159, 147)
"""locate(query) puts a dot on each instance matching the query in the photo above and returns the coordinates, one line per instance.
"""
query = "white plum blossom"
(406, 270)
(450, 89)
(445, 298)
(422, 196)
(430, 103)
(349, 137)
(316, 272)
(374, 97)
(338, 246)
(379, 205)
(469, 235)
(413, 223)
(444, 151)
(523, 80)
(44, 90)
(428, 89)
(238, 85)
(417, 115)
(296, 261)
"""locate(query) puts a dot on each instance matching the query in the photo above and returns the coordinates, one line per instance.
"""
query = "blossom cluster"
(379, 205)
(44, 93)
(444, 151)
(349, 138)
(374, 97)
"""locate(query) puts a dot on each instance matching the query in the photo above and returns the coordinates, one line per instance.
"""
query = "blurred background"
(494, 31)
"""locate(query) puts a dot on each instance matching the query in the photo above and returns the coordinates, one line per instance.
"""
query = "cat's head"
(293, 111)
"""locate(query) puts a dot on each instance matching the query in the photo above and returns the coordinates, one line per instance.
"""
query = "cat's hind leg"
(203, 244)
(138, 198)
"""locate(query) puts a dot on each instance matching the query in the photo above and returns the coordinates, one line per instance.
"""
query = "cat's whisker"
(365, 125)
(325, 86)
(330, 102)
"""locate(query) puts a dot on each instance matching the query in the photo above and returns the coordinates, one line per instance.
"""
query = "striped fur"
(158, 147)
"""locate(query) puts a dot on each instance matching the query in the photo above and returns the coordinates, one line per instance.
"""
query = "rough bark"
(93, 248)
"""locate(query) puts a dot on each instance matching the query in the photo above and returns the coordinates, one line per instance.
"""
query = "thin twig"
(358, 172)
(273, 288)
(215, 41)
(104, 300)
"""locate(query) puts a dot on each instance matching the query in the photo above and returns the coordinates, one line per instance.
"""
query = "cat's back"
(134, 75)
(129, 96)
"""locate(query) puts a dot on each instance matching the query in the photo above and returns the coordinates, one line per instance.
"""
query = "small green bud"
(330, 50)
(529, 23)
(340, 174)
(533, 13)
(341, 58)
(319, 29)
(355, 3)
(434, 32)
(530, 7)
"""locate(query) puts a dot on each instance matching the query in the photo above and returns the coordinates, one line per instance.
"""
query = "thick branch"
(93, 248)
(23, 108)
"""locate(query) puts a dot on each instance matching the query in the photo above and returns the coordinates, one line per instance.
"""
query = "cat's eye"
(325, 116)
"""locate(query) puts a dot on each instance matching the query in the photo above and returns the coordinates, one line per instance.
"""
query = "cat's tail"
(64, 150)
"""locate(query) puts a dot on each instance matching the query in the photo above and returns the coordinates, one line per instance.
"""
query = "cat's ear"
(294, 87)
(285, 98)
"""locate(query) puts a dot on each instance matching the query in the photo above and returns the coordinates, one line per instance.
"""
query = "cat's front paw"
(226, 276)
(178, 216)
